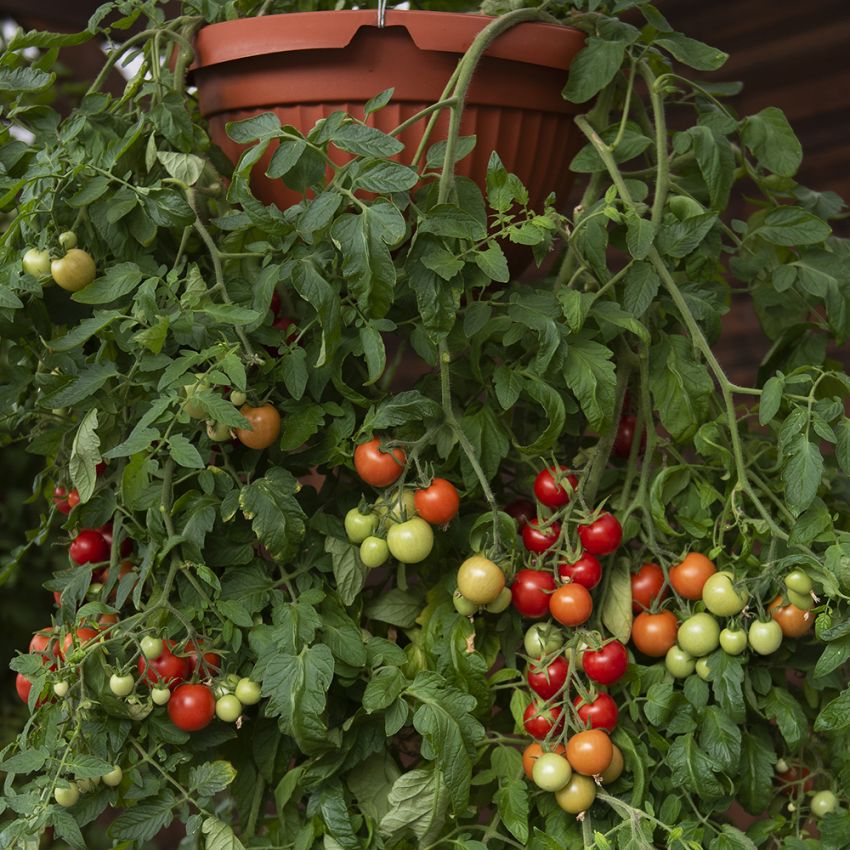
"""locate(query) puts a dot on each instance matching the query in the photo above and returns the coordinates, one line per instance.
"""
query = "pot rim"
(534, 43)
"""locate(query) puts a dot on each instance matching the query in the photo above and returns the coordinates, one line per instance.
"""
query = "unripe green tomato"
(463, 605)
(160, 696)
(94, 590)
(151, 647)
(765, 637)
(248, 692)
(702, 669)
(60, 689)
(679, 664)
(802, 600)
(823, 803)
(68, 240)
(359, 526)
(799, 581)
(720, 596)
(374, 552)
(238, 398)
(36, 263)
(551, 772)
(86, 785)
(397, 509)
(75, 271)
(121, 686)
(191, 405)
(480, 580)
(228, 708)
(66, 797)
(781, 766)
(114, 777)
(684, 207)
(542, 639)
(411, 542)
(218, 432)
(699, 635)
(733, 641)
(501, 602)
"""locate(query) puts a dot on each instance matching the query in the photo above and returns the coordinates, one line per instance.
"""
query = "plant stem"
(662, 162)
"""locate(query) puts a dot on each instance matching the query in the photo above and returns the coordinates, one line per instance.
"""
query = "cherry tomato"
(75, 271)
(480, 580)
(765, 638)
(194, 651)
(553, 488)
(106, 532)
(614, 770)
(60, 499)
(191, 707)
(551, 772)
(571, 604)
(397, 507)
(607, 664)
(733, 641)
(73, 498)
(720, 596)
(590, 752)
(537, 539)
(228, 708)
(522, 510)
(690, 575)
(68, 240)
(374, 552)
(679, 664)
(438, 503)
(548, 679)
(359, 526)
(647, 587)
(113, 778)
(463, 606)
(36, 263)
(160, 696)
(61, 689)
(799, 581)
(380, 469)
(533, 752)
(602, 536)
(702, 669)
(152, 647)
(823, 803)
(531, 590)
(792, 778)
(41, 642)
(601, 713)
(23, 686)
(265, 426)
(89, 547)
(247, 691)
(166, 668)
(586, 571)
(625, 436)
(794, 621)
(411, 542)
(577, 795)
(803, 601)
(539, 721)
(66, 796)
(654, 634)
(542, 639)
(79, 637)
(121, 686)
(699, 635)
(501, 603)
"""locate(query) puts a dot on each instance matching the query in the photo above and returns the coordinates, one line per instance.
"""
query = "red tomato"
(607, 664)
(625, 437)
(57, 598)
(586, 571)
(193, 651)
(602, 536)
(791, 779)
(438, 503)
(60, 499)
(169, 669)
(89, 547)
(73, 498)
(23, 686)
(571, 604)
(654, 634)
(522, 510)
(549, 492)
(530, 592)
(40, 643)
(99, 469)
(191, 707)
(81, 636)
(275, 305)
(647, 584)
(540, 721)
(547, 680)
(126, 544)
(380, 469)
(602, 713)
(540, 539)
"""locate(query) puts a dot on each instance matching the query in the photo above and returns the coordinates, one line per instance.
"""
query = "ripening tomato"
(75, 271)
(533, 752)
(378, 468)
(654, 634)
(553, 488)
(577, 795)
(690, 575)
(647, 587)
(191, 707)
(601, 713)
(537, 539)
(438, 503)
(41, 642)
(794, 621)
(625, 436)
(539, 722)
(699, 635)
(89, 547)
(551, 772)
(522, 510)
(546, 680)
(166, 667)
(411, 542)
(531, 590)
(480, 580)
(571, 604)
(23, 686)
(586, 571)
(590, 752)
(607, 664)
(602, 536)
(265, 426)
(614, 770)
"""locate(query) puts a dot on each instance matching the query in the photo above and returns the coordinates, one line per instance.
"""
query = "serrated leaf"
(116, 282)
(210, 777)
(617, 605)
(593, 68)
(418, 802)
(85, 455)
(275, 515)
(220, 836)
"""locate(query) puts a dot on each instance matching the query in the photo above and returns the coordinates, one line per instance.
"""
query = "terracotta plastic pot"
(307, 65)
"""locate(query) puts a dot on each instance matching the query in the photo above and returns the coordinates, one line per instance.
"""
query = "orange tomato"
(793, 621)
(265, 426)
(590, 752)
(571, 604)
(689, 576)
(654, 634)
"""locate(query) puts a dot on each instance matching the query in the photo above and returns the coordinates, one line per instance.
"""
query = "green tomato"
(60, 689)
(823, 803)
(160, 696)
(702, 669)
(679, 664)
(463, 605)
(720, 596)
(238, 398)
(228, 708)
(397, 509)
(191, 405)
(137, 709)
(114, 777)
(577, 795)
(359, 526)
(501, 602)
(36, 263)
(765, 637)
(684, 207)
(781, 766)
(218, 432)
(94, 590)
(121, 686)
(551, 772)
(410, 542)
(151, 647)
(248, 692)
(374, 552)
(803, 601)
(68, 240)
(799, 581)
(67, 796)
(733, 641)
(699, 635)
(542, 639)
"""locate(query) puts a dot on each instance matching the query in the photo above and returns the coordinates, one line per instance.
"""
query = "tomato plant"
(554, 487)
(586, 571)
(607, 664)
(531, 591)
(438, 503)
(191, 707)
(647, 587)
(654, 634)
(602, 536)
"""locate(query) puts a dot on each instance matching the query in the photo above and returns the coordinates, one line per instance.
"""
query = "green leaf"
(802, 473)
(757, 760)
(771, 399)
(385, 686)
(693, 53)
(275, 515)
(780, 706)
(511, 799)
(19, 80)
(85, 455)
(219, 835)
(374, 352)
(640, 287)
(617, 605)
(86, 384)
(773, 142)
(349, 572)
(285, 157)
(379, 101)
(680, 238)
(85, 330)
(210, 777)
(396, 607)
(691, 768)
(399, 409)
(418, 802)
(632, 142)
(386, 177)
(366, 141)
(790, 226)
(451, 221)
(731, 838)
(640, 233)
(589, 373)
(266, 125)
(183, 453)
(835, 715)
(720, 737)
(116, 282)
(659, 700)
(185, 167)
(593, 68)
(493, 263)
(144, 820)
(507, 386)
